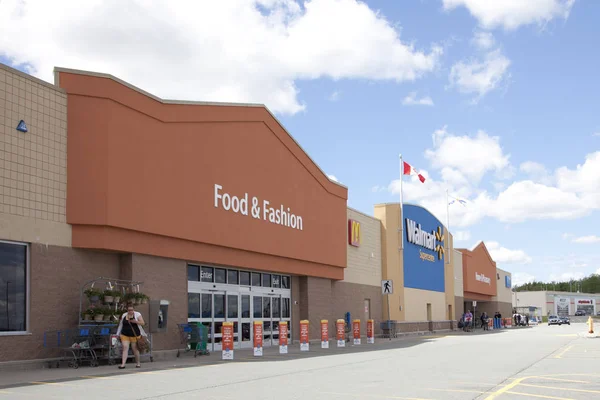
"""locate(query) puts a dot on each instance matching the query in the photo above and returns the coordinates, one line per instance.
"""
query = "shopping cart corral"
(194, 337)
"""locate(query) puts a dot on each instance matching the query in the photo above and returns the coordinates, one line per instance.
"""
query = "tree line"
(590, 284)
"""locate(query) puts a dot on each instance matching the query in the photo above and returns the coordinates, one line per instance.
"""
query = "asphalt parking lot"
(543, 362)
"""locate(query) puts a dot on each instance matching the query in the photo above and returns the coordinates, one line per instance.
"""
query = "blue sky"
(511, 91)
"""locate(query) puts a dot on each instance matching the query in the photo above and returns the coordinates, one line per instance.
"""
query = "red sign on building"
(353, 233)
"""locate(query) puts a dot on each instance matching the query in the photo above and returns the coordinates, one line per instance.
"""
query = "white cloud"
(462, 161)
(333, 178)
(585, 178)
(511, 14)
(462, 236)
(587, 239)
(335, 96)
(597, 134)
(567, 276)
(536, 172)
(480, 76)
(506, 256)
(483, 40)
(519, 278)
(471, 156)
(411, 100)
(241, 51)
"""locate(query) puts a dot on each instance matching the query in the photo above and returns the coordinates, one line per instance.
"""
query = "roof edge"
(363, 214)
(58, 70)
(27, 76)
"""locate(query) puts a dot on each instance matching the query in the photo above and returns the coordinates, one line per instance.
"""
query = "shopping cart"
(76, 346)
(194, 337)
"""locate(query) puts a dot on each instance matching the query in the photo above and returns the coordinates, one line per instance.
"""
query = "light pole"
(7, 317)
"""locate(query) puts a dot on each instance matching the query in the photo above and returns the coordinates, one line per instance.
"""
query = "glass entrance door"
(213, 305)
(246, 320)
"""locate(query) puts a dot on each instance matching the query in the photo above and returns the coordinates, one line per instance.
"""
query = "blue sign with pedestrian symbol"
(22, 127)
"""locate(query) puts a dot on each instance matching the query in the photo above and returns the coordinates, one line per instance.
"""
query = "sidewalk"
(13, 378)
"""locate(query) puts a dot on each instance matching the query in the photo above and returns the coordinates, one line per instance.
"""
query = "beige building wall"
(504, 294)
(458, 273)
(33, 165)
(389, 215)
(416, 305)
(450, 307)
(364, 261)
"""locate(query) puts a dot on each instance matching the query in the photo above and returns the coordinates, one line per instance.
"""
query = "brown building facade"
(214, 208)
(484, 283)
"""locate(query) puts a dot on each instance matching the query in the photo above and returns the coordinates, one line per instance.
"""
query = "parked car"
(553, 320)
(579, 313)
(564, 320)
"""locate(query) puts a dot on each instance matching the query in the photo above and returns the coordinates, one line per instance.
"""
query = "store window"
(244, 278)
(220, 275)
(232, 277)
(207, 274)
(266, 280)
(13, 285)
(193, 305)
(285, 307)
(285, 282)
(276, 281)
(193, 273)
(256, 279)
(258, 309)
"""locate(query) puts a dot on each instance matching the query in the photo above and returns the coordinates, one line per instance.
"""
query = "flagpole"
(400, 216)
(447, 227)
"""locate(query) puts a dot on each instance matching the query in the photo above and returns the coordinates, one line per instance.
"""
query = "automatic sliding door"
(246, 318)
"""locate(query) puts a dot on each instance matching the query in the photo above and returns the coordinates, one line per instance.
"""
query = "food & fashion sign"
(254, 207)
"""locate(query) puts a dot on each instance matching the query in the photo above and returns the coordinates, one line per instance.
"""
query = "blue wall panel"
(423, 261)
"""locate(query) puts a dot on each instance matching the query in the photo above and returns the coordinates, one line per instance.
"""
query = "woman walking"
(130, 331)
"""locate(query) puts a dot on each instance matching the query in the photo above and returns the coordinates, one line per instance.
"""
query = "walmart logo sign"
(433, 241)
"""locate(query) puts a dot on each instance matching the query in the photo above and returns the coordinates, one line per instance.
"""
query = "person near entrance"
(484, 321)
(130, 331)
(497, 320)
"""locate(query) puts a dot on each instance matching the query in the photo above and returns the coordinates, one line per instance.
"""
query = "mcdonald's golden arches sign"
(353, 233)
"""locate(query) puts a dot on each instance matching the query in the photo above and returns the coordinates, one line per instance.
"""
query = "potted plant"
(93, 294)
(108, 314)
(99, 315)
(143, 298)
(88, 314)
(129, 298)
(111, 296)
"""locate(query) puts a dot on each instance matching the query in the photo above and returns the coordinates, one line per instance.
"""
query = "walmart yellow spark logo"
(439, 237)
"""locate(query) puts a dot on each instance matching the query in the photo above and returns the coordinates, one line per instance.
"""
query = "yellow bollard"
(590, 324)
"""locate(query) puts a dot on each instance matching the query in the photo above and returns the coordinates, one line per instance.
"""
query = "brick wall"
(33, 170)
(364, 261)
(351, 297)
(57, 275)
(163, 279)
(326, 299)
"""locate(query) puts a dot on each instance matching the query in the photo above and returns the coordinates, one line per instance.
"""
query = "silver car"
(553, 320)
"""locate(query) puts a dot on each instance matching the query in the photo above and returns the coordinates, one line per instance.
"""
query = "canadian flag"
(410, 170)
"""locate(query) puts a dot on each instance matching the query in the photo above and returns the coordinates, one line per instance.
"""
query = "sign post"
(324, 334)
(304, 345)
(387, 288)
(370, 330)
(258, 338)
(283, 337)
(340, 333)
(356, 331)
(227, 333)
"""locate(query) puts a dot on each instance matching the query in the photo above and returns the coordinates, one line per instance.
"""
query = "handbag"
(142, 342)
